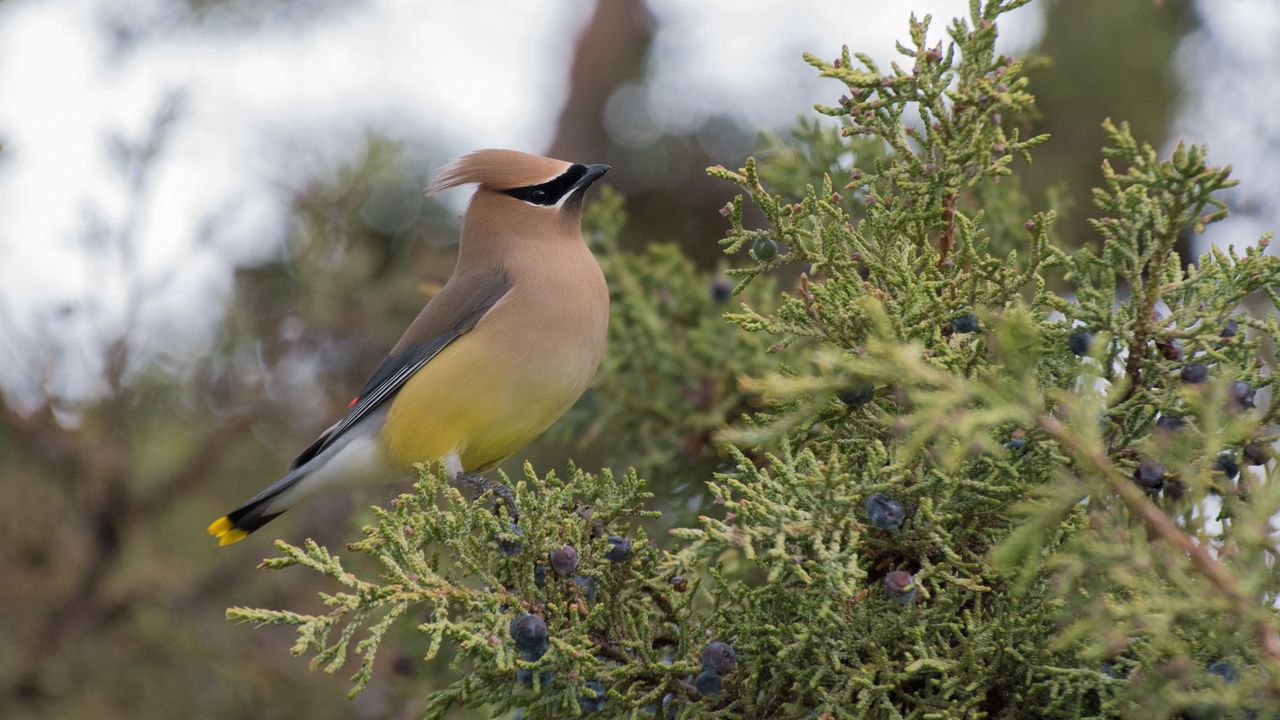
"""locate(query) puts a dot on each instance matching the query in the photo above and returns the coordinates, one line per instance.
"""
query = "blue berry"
(885, 512)
(679, 583)
(860, 395)
(530, 633)
(764, 249)
(1227, 465)
(900, 586)
(965, 323)
(1256, 453)
(1149, 474)
(587, 585)
(1016, 443)
(525, 677)
(708, 683)
(592, 699)
(1170, 423)
(721, 290)
(1230, 329)
(1224, 670)
(619, 549)
(1171, 349)
(564, 561)
(1079, 342)
(536, 653)
(540, 575)
(1194, 373)
(719, 658)
(1241, 394)
(511, 548)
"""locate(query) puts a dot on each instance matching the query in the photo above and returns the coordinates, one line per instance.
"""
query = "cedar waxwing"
(499, 354)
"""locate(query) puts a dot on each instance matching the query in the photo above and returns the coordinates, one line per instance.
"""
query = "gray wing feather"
(461, 304)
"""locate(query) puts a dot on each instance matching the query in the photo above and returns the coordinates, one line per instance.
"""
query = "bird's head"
(519, 187)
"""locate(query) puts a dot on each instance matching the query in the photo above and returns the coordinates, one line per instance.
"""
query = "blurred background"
(212, 227)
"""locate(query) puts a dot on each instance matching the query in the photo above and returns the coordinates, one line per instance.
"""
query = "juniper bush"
(1030, 569)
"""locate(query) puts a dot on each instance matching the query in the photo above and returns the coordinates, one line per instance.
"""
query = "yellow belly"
(485, 396)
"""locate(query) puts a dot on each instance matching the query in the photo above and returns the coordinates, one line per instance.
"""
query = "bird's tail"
(258, 511)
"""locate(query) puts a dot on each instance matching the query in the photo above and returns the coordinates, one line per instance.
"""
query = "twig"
(609, 650)
(689, 690)
(815, 312)
(1161, 525)
(481, 484)
(947, 236)
(1146, 305)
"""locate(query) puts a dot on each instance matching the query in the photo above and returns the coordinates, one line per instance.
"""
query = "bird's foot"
(482, 484)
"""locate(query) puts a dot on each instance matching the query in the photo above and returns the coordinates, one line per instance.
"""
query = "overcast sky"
(1230, 74)
(266, 101)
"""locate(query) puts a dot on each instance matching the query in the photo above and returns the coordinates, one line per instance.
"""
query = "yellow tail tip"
(226, 532)
(219, 527)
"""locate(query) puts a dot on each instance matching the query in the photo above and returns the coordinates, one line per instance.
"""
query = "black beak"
(594, 173)
(574, 196)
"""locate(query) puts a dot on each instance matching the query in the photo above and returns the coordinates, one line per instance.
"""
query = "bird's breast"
(499, 386)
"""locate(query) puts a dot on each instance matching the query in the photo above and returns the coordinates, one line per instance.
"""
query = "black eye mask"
(550, 192)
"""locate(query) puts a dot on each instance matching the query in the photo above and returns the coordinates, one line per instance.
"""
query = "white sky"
(1231, 74)
(267, 104)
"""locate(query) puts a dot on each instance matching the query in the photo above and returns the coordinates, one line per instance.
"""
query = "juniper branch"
(1222, 579)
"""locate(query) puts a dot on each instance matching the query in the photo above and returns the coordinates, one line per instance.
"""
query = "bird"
(508, 344)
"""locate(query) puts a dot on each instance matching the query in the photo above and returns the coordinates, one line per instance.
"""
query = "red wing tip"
(353, 402)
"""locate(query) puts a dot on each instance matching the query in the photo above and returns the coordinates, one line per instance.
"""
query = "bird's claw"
(481, 484)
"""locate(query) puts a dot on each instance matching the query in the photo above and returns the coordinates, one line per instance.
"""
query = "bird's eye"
(538, 195)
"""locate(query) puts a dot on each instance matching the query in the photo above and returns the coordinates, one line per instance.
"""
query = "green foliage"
(928, 360)
(610, 622)
(669, 383)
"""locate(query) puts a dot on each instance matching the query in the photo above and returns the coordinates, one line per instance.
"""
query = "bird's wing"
(461, 304)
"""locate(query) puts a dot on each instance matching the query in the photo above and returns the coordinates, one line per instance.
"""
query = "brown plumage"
(505, 348)
(496, 170)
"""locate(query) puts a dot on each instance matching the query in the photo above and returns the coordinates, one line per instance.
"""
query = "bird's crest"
(497, 170)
